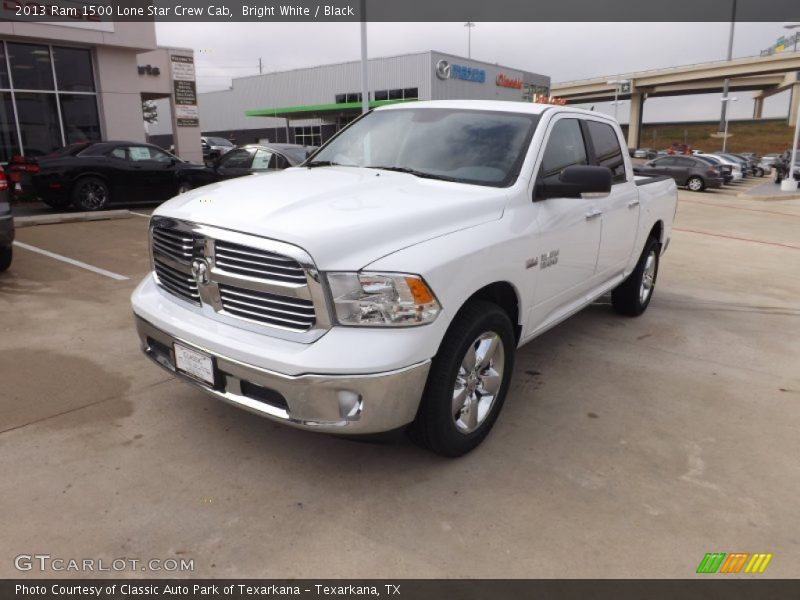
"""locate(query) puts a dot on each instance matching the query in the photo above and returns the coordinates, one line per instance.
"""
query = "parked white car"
(736, 168)
(389, 280)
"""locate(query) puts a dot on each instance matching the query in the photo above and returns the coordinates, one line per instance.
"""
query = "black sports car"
(92, 175)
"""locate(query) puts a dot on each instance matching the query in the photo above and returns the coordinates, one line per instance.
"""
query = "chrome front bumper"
(344, 404)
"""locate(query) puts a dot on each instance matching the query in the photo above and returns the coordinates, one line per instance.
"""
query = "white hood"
(344, 217)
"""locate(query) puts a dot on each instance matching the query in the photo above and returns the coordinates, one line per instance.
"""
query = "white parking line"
(72, 261)
(146, 216)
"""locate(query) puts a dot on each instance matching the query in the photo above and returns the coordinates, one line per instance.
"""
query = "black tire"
(627, 298)
(6, 254)
(436, 425)
(759, 172)
(90, 193)
(697, 182)
(776, 176)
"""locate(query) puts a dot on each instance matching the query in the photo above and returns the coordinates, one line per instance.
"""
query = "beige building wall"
(120, 98)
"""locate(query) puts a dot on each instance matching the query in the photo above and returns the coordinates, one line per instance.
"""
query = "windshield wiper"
(422, 174)
(321, 163)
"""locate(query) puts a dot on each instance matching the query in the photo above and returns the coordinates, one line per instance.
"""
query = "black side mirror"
(575, 181)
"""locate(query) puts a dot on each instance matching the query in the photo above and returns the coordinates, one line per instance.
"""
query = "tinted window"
(38, 123)
(607, 149)
(8, 129)
(216, 141)
(139, 153)
(565, 148)
(73, 69)
(79, 114)
(237, 159)
(30, 67)
(685, 162)
(382, 95)
(4, 81)
(664, 162)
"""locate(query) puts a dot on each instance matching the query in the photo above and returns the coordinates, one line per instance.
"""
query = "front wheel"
(695, 184)
(632, 296)
(759, 172)
(90, 193)
(6, 254)
(776, 175)
(467, 382)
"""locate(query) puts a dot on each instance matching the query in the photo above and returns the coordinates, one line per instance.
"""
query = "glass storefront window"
(79, 114)
(30, 67)
(8, 129)
(4, 81)
(38, 123)
(73, 69)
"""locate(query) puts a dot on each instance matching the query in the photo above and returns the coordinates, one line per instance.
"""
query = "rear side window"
(565, 148)
(607, 149)
(687, 162)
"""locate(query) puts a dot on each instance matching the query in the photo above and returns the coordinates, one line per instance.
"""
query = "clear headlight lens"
(382, 299)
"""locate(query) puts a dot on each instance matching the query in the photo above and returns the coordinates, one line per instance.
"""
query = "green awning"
(310, 111)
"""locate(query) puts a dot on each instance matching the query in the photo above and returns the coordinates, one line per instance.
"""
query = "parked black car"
(92, 175)
(694, 173)
(259, 158)
(6, 225)
(214, 147)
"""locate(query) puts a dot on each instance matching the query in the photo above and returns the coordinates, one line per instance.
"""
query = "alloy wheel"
(478, 382)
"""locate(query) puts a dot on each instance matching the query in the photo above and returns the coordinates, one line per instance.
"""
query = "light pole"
(725, 100)
(617, 83)
(364, 62)
(469, 25)
(793, 26)
(726, 83)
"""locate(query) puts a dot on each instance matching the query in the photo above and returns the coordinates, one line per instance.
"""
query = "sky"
(564, 51)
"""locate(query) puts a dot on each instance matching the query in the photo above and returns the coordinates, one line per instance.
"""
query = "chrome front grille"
(246, 280)
(173, 251)
(270, 309)
(253, 262)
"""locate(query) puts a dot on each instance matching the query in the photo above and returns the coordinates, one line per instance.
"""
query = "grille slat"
(260, 264)
(295, 314)
(174, 250)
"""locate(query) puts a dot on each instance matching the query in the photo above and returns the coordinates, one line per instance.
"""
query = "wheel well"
(83, 176)
(658, 231)
(504, 295)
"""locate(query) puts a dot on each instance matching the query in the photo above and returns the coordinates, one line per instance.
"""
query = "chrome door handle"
(633, 203)
(593, 215)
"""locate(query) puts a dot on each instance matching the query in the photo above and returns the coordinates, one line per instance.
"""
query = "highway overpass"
(765, 75)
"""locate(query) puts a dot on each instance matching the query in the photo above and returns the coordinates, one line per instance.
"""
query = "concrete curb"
(76, 217)
(747, 196)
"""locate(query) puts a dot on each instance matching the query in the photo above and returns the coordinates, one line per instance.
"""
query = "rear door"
(683, 169)
(565, 251)
(620, 208)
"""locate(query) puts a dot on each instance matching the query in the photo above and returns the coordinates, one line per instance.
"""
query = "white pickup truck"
(388, 281)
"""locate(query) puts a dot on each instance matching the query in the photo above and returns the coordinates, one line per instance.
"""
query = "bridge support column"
(758, 107)
(794, 104)
(635, 119)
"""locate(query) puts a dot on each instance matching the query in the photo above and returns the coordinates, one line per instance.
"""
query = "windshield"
(467, 146)
(215, 141)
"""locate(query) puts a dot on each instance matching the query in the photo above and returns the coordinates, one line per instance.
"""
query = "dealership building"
(308, 105)
(84, 80)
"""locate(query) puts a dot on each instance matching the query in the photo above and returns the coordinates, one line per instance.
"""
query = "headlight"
(382, 299)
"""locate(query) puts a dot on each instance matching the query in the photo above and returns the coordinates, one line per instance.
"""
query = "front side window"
(565, 148)
(261, 160)
(237, 159)
(467, 146)
(607, 150)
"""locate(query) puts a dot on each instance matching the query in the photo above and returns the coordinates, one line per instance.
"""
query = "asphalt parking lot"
(627, 447)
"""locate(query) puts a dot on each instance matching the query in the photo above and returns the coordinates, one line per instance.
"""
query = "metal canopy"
(310, 111)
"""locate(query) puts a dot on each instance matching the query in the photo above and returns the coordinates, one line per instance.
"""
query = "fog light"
(349, 404)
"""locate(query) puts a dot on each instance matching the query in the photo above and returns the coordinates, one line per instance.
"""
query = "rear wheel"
(6, 254)
(696, 184)
(632, 296)
(776, 175)
(90, 193)
(759, 172)
(468, 381)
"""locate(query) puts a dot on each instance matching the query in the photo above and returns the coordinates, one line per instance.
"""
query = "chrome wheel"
(93, 194)
(648, 277)
(478, 382)
(695, 184)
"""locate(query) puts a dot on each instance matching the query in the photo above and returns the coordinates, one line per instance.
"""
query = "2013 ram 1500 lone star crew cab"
(388, 281)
